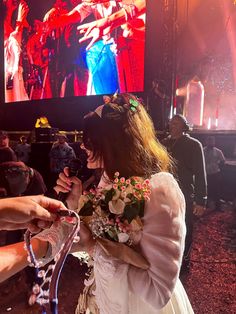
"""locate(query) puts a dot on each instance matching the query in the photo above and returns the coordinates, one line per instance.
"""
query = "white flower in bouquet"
(116, 207)
(123, 237)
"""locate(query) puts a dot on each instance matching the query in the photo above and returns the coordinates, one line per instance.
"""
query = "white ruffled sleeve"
(162, 242)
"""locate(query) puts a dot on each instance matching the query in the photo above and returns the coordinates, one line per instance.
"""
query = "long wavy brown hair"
(124, 139)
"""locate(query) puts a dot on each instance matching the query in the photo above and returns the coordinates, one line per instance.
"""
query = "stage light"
(209, 124)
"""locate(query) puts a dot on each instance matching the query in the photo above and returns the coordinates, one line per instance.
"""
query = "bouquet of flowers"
(115, 212)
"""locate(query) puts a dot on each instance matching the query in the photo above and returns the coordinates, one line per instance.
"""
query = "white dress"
(12, 51)
(124, 289)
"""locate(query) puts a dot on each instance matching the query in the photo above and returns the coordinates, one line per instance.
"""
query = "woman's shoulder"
(162, 179)
(164, 183)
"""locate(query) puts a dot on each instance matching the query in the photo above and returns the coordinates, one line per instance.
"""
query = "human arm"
(162, 242)
(30, 51)
(45, 244)
(102, 27)
(14, 257)
(53, 21)
(27, 212)
(23, 11)
(21, 22)
(70, 185)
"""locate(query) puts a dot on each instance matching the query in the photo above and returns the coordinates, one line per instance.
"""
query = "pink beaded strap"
(45, 288)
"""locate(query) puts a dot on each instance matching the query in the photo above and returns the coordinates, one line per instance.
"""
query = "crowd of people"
(75, 48)
(117, 137)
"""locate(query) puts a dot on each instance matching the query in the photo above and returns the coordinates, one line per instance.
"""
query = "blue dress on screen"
(101, 63)
(100, 58)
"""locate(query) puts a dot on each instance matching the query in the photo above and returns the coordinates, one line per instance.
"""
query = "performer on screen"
(62, 41)
(14, 83)
(39, 56)
(128, 24)
(100, 58)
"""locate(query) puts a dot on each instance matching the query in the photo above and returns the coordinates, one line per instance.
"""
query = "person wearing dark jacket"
(6, 153)
(17, 179)
(190, 171)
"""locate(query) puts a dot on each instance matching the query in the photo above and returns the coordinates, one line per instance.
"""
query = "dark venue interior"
(189, 69)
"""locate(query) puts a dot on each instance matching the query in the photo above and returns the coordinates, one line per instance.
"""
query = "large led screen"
(73, 48)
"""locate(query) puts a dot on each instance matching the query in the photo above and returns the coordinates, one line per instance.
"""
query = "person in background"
(157, 104)
(106, 99)
(23, 150)
(6, 153)
(215, 159)
(17, 179)
(60, 155)
(191, 174)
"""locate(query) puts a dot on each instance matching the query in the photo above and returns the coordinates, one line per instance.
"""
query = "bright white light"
(171, 112)
(209, 124)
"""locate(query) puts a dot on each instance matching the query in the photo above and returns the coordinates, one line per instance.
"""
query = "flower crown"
(132, 105)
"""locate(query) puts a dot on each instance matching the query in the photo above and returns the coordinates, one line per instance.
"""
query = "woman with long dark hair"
(119, 137)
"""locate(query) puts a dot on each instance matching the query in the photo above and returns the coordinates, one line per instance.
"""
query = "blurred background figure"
(17, 179)
(6, 153)
(60, 156)
(157, 104)
(215, 159)
(106, 99)
(23, 150)
(190, 172)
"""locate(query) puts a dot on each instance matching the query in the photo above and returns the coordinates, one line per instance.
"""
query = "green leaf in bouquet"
(112, 233)
(133, 182)
(131, 211)
(131, 197)
(87, 209)
(109, 194)
(141, 208)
